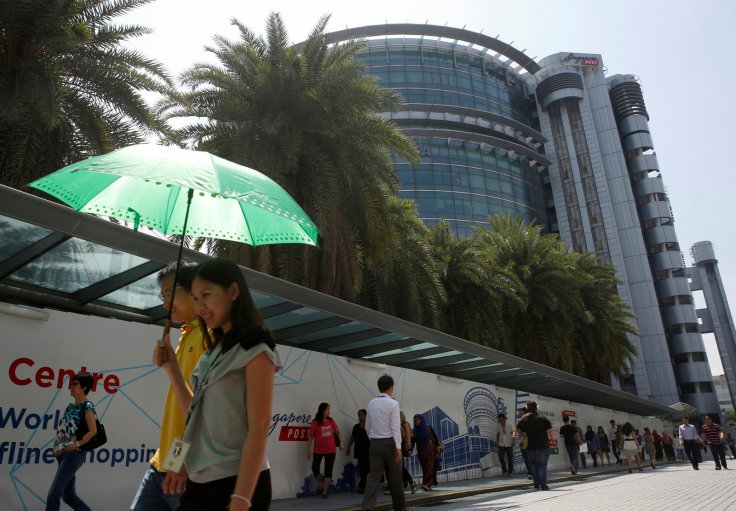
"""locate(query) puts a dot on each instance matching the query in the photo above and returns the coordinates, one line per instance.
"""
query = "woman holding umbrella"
(228, 413)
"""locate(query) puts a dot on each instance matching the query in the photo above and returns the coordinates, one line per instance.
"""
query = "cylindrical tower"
(692, 371)
(717, 315)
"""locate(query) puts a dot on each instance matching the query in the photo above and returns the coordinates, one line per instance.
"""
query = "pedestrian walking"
(668, 447)
(619, 442)
(68, 447)
(540, 436)
(522, 445)
(359, 438)
(407, 445)
(648, 447)
(630, 447)
(679, 447)
(731, 445)
(150, 495)
(658, 448)
(713, 437)
(505, 443)
(383, 425)
(582, 447)
(323, 441)
(229, 411)
(571, 437)
(615, 439)
(604, 446)
(593, 444)
(426, 451)
(689, 440)
(439, 448)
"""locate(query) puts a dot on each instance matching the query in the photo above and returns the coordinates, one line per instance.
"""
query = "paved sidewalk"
(603, 488)
(665, 489)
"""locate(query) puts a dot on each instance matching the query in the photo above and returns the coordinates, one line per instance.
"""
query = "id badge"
(176, 455)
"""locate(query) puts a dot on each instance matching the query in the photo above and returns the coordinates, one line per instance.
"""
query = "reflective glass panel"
(296, 317)
(17, 235)
(415, 347)
(366, 343)
(74, 265)
(262, 300)
(347, 328)
(142, 294)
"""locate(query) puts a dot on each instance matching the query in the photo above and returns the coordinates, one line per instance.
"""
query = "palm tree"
(406, 282)
(603, 342)
(570, 315)
(476, 288)
(68, 88)
(307, 116)
(543, 271)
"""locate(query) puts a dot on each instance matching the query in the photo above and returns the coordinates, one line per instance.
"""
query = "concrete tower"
(716, 317)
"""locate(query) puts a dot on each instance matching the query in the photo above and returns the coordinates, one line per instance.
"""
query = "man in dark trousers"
(383, 425)
(613, 438)
(713, 438)
(688, 440)
(505, 443)
(583, 461)
(572, 443)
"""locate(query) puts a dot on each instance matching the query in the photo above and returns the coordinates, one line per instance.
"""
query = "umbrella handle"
(161, 354)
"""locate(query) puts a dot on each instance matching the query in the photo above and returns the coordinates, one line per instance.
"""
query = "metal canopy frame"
(298, 316)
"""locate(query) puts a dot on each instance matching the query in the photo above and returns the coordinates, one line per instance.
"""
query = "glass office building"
(468, 112)
(557, 142)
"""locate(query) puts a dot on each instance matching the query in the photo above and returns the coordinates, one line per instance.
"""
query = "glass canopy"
(54, 257)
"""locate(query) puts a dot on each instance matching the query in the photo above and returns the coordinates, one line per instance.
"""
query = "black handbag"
(96, 441)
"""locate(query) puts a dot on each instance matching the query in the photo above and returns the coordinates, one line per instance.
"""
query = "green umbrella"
(176, 191)
(148, 184)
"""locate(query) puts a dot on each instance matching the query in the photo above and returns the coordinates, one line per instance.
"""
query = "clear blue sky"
(681, 51)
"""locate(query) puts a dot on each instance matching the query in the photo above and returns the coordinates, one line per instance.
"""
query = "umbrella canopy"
(149, 184)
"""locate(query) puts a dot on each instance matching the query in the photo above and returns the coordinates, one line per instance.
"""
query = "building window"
(687, 388)
(698, 356)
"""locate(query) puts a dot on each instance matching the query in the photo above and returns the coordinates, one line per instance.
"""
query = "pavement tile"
(668, 487)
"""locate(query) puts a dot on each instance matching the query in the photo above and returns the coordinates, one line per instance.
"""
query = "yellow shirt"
(190, 348)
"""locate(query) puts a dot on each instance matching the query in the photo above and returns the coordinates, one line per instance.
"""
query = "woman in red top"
(322, 435)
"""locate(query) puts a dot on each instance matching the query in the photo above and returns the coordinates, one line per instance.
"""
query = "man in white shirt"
(614, 445)
(689, 440)
(505, 443)
(383, 426)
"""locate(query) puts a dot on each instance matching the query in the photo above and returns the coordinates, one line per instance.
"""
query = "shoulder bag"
(96, 441)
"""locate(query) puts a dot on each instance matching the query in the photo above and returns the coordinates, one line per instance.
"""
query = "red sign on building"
(568, 413)
(293, 434)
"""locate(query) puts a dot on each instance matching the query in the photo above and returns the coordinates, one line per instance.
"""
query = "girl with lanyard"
(228, 414)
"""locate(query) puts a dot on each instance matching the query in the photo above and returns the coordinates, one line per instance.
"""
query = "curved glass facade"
(463, 176)
(465, 185)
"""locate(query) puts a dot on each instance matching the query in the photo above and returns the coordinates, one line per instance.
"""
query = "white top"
(612, 433)
(382, 419)
(218, 422)
(688, 432)
(505, 434)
